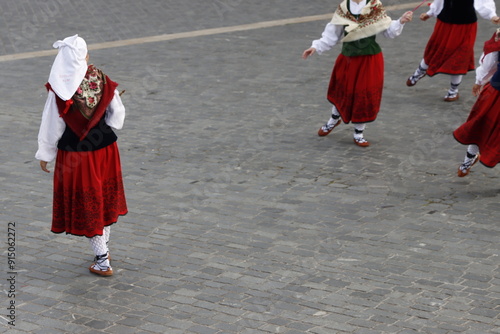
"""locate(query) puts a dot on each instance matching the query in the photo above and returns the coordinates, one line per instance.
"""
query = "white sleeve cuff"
(394, 30)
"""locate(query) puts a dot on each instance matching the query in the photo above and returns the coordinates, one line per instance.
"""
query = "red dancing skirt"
(356, 87)
(88, 191)
(450, 49)
(482, 127)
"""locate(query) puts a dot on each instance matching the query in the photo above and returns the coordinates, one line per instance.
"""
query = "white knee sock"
(106, 232)
(335, 116)
(422, 68)
(456, 79)
(423, 65)
(358, 130)
(98, 244)
(455, 82)
(472, 150)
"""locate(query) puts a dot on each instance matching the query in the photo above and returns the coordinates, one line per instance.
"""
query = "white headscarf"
(69, 67)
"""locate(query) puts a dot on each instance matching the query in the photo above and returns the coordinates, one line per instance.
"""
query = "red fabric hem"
(461, 73)
(82, 234)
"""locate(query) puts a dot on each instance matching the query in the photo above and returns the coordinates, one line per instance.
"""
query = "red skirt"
(356, 87)
(482, 127)
(450, 49)
(88, 191)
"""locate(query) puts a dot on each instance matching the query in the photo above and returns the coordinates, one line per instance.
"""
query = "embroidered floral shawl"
(372, 20)
(89, 93)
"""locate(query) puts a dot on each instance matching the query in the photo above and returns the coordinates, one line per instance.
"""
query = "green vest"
(362, 47)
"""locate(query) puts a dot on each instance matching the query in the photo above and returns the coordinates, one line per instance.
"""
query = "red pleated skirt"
(482, 127)
(356, 87)
(88, 191)
(450, 49)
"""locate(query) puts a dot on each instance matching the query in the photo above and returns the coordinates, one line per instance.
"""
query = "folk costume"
(82, 108)
(481, 131)
(357, 79)
(450, 49)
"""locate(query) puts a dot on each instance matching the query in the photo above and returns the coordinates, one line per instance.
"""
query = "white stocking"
(472, 150)
(358, 130)
(422, 68)
(98, 244)
(423, 65)
(106, 232)
(335, 116)
(454, 83)
(456, 79)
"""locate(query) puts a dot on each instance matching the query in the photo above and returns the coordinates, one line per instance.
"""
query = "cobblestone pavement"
(242, 219)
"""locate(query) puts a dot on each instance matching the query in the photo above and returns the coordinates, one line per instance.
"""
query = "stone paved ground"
(243, 220)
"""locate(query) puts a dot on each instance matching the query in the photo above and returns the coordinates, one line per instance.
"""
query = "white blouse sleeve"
(330, 37)
(394, 30)
(487, 67)
(115, 113)
(435, 8)
(51, 130)
(486, 8)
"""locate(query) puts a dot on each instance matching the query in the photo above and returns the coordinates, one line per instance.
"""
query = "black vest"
(458, 12)
(98, 137)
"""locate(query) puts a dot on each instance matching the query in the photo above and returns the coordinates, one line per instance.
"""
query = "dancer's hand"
(424, 16)
(43, 166)
(476, 89)
(495, 20)
(407, 17)
(308, 52)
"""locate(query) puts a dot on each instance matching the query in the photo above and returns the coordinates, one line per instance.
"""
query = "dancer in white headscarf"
(82, 108)
(357, 79)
